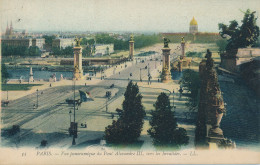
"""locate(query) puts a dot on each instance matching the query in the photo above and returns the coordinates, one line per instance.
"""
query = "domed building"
(193, 26)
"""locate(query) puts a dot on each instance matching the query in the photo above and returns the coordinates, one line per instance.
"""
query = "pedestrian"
(180, 90)
(50, 84)
(158, 80)
(112, 116)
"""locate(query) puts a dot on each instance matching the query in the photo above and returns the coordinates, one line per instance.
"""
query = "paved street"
(50, 121)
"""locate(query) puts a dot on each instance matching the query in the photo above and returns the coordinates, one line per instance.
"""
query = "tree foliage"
(4, 73)
(190, 81)
(120, 44)
(8, 50)
(164, 130)
(48, 41)
(128, 127)
(68, 50)
(222, 43)
(194, 54)
(87, 41)
(240, 36)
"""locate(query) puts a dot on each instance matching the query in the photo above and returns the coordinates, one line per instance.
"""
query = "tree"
(164, 129)
(33, 51)
(4, 73)
(128, 127)
(48, 41)
(68, 50)
(240, 36)
(57, 50)
(190, 81)
(222, 43)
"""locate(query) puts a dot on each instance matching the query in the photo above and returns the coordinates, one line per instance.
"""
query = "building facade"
(103, 49)
(17, 42)
(39, 43)
(26, 42)
(62, 42)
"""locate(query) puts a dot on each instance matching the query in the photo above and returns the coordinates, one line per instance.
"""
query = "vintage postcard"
(130, 82)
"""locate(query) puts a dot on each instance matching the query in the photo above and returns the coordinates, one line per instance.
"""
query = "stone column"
(131, 48)
(31, 75)
(166, 74)
(78, 72)
(182, 48)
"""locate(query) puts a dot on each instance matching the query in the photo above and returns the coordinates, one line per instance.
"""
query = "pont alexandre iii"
(211, 108)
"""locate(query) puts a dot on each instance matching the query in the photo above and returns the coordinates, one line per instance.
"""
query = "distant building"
(9, 31)
(63, 42)
(27, 42)
(103, 49)
(39, 43)
(17, 42)
(193, 26)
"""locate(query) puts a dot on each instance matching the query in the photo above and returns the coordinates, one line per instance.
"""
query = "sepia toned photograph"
(130, 82)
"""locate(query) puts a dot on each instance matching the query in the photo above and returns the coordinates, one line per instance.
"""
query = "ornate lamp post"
(140, 74)
(74, 124)
(173, 99)
(37, 99)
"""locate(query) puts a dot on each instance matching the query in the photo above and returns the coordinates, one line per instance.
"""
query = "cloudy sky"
(122, 15)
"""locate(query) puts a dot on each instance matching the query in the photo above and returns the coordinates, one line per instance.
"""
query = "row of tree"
(127, 129)
(62, 51)
(120, 44)
(190, 81)
(20, 50)
(4, 73)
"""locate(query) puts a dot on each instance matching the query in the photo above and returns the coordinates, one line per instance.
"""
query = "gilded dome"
(193, 22)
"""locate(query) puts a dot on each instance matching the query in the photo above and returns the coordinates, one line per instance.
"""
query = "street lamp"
(148, 69)
(140, 74)
(37, 99)
(74, 124)
(106, 104)
(70, 115)
(173, 99)
(101, 74)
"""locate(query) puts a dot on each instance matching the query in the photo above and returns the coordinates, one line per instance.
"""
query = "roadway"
(50, 121)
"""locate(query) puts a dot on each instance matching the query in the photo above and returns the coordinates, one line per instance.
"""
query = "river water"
(37, 74)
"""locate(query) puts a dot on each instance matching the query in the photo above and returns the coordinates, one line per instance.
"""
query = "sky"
(122, 15)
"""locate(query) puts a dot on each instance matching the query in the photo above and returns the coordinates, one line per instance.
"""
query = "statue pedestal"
(166, 74)
(77, 75)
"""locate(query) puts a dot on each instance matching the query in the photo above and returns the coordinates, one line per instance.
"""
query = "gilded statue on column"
(166, 42)
(78, 40)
